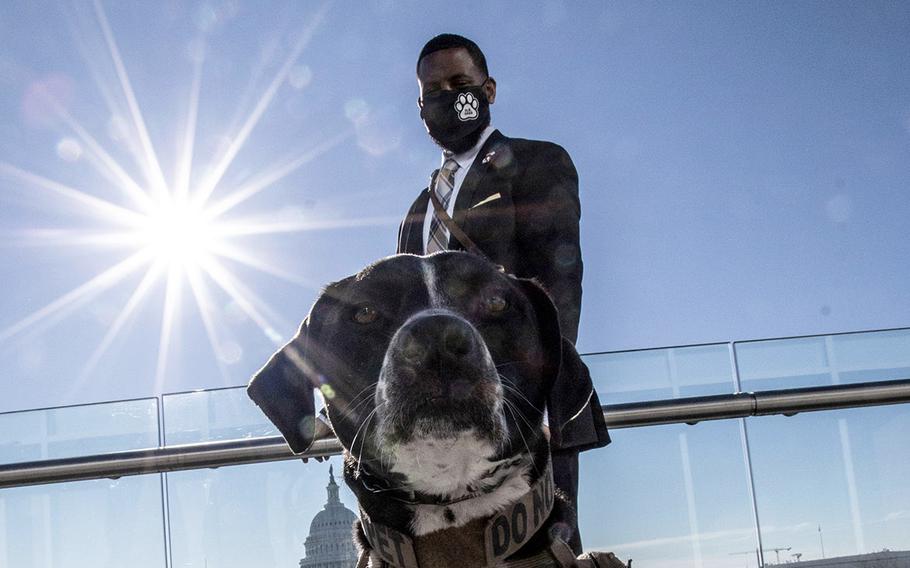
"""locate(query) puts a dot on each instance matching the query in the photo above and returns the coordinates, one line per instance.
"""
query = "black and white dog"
(436, 372)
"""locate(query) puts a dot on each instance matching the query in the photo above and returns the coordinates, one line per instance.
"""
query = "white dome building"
(330, 544)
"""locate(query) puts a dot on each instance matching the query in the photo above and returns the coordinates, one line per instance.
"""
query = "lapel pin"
(488, 157)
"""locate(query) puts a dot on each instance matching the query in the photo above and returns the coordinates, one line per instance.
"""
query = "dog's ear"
(575, 417)
(283, 390)
(547, 324)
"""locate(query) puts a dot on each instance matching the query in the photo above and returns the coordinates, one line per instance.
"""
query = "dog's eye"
(496, 304)
(366, 314)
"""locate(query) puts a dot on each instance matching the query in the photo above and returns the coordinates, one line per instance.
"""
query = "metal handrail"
(630, 415)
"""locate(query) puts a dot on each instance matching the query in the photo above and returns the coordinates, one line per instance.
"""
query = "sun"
(178, 234)
(169, 228)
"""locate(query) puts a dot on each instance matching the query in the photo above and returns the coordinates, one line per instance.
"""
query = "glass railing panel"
(221, 414)
(78, 430)
(878, 356)
(832, 484)
(783, 363)
(83, 524)
(669, 496)
(824, 360)
(256, 515)
(652, 374)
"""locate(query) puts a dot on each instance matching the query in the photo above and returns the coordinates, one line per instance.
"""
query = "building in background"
(883, 559)
(329, 544)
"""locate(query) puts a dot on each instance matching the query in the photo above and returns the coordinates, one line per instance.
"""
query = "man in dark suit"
(516, 199)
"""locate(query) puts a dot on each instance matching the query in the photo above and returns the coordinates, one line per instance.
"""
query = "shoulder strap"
(449, 223)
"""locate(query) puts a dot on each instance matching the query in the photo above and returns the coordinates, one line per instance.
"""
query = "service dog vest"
(503, 534)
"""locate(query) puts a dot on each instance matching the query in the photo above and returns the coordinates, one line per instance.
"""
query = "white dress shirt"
(465, 159)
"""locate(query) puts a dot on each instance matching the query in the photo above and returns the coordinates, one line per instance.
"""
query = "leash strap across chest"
(505, 533)
(450, 223)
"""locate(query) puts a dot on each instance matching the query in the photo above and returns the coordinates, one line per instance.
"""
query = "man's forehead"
(446, 63)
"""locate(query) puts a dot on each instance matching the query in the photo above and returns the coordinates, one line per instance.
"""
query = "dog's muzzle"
(437, 364)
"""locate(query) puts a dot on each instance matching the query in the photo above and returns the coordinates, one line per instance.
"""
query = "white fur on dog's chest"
(454, 467)
(444, 466)
(432, 518)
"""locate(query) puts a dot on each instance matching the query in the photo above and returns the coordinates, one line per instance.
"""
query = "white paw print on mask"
(467, 105)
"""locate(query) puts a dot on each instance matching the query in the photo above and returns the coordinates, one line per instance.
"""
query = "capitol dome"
(330, 544)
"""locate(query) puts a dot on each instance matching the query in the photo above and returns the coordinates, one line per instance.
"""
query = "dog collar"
(505, 533)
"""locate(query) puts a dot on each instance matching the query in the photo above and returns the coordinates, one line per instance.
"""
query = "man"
(516, 199)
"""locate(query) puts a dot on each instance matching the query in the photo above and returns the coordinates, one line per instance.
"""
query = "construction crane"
(776, 551)
(749, 552)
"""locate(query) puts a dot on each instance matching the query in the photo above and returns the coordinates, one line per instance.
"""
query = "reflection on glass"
(783, 363)
(879, 356)
(83, 524)
(205, 416)
(652, 374)
(825, 360)
(826, 484)
(252, 515)
(669, 496)
(833, 483)
(78, 430)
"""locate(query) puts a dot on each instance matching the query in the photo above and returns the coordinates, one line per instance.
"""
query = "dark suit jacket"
(519, 204)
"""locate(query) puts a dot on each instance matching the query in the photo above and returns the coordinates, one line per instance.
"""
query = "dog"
(437, 372)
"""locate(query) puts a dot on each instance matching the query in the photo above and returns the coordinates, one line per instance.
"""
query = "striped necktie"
(445, 183)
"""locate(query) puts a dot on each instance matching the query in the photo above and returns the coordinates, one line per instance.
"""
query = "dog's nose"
(442, 335)
(457, 340)
(412, 350)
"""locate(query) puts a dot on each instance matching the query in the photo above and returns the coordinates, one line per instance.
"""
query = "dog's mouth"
(443, 392)
(441, 406)
(438, 379)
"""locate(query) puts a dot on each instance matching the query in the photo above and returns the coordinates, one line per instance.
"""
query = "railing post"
(747, 457)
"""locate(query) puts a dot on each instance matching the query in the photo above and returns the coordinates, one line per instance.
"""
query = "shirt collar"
(465, 159)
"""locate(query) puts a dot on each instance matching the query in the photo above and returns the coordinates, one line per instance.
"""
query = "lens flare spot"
(117, 128)
(839, 208)
(46, 98)
(356, 110)
(69, 150)
(327, 391)
(274, 335)
(300, 76)
(230, 352)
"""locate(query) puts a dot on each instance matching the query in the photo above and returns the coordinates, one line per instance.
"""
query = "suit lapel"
(412, 231)
(472, 180)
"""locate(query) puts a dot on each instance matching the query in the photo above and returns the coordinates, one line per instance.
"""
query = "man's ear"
(283, 390)
(570, 387)
(489, 89)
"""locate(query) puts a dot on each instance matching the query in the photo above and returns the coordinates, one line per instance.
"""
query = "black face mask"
(456, 119)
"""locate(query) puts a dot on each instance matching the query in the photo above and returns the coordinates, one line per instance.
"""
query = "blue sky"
(745, 170)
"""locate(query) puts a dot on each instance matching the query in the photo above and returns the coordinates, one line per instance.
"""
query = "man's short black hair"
(447, 41)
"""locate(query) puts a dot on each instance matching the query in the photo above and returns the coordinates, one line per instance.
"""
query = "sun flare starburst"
(175, 232)
(178, 233)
